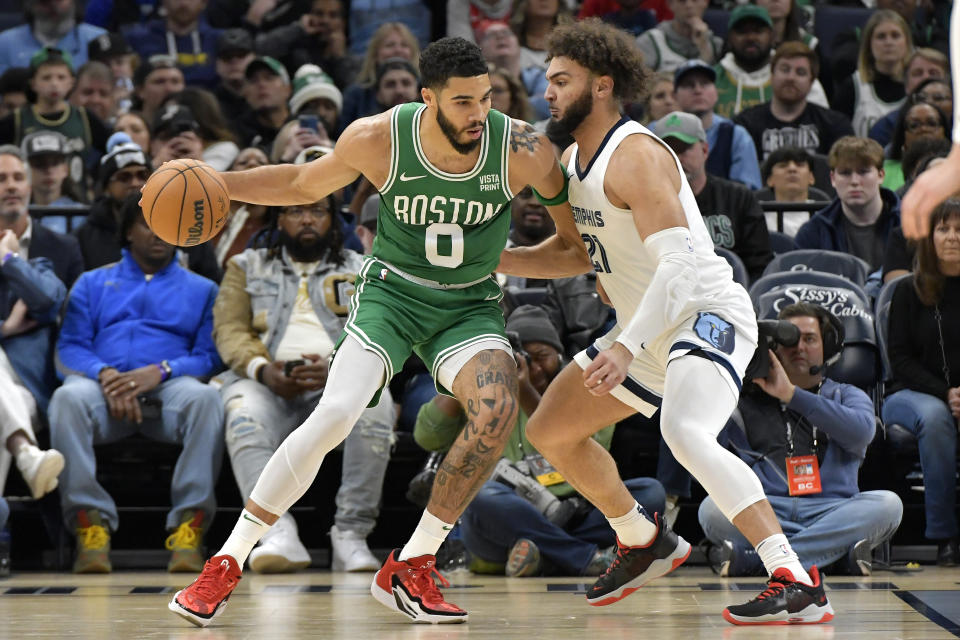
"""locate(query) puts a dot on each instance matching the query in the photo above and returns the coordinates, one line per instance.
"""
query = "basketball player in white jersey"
(935, 185)
(685, 333)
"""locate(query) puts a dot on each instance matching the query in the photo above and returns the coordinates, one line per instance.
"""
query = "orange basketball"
(185, 202)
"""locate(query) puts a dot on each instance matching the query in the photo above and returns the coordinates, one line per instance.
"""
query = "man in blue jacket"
(135, 337)
(860, 219)
(805, 437)
(47, 22)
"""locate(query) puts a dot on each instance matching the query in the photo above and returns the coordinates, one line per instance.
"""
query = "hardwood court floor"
(319, 604)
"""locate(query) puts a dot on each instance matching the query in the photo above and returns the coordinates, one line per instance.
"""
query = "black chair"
(740, 273)
(859, 363)
(882, 319)
(847, 265)
(520, 296)
(831, 21)
(781, 242)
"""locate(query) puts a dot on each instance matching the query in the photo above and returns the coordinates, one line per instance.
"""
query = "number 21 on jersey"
(596, 250)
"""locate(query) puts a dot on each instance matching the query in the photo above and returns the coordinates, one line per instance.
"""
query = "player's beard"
(576, 113)
(303, 251)
(451, 133)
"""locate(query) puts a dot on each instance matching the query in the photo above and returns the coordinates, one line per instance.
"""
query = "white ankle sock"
(248, 530)
(776, 553)
(429, 535)
(634, 528)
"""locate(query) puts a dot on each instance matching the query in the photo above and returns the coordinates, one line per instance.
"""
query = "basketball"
(185, 202)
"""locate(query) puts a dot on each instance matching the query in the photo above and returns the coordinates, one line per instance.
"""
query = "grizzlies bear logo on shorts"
(715, 331)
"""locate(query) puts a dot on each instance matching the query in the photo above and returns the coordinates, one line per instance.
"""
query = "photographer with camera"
(527, 520)
(805, 436)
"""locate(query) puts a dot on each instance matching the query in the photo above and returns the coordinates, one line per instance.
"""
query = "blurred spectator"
(918, 120)
(876, 87)
(218, 140)
(391, 40)
(175, 135)
(502, 49)
(368, 17)
(660, 100)
(154, 80)
(278, 346)
(787, 119)
(578, 311)
(468, 19)
(96, 91)
(14, 87)
(366, 229)
(685, 37)
(293, 139)
(925, 358)
(861, 217)
(530, 224)
(234, 53)
(730, 210)
(557, 532)
(253, 15)
(135, 338)
(51, 82)
(47, 155)
(319, 38)
(732, 153)
(509, 96)
(789, 20)
(632, 17)
(314, 94)
(928, 21)
(793, 418)
(532, 21)
(923, 65)
(134, 125)
(30, 298)
(182, 33)
(788, 174)
(266, 89)
(51, 23)
(244, 220)
(743, 74)
(114, 14)
(398, 82)
(599, 8)
(112, 50)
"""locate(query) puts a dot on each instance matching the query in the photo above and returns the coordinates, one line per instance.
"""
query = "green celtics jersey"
(445, 227)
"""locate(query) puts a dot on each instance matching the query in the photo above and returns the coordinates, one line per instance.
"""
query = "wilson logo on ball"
(195, 232)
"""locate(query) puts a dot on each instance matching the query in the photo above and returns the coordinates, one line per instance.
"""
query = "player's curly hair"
(450, 58)
(605, 50)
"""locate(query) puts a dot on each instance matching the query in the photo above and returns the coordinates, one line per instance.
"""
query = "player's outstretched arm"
(562, 254)
(288, 184)
(931, 187)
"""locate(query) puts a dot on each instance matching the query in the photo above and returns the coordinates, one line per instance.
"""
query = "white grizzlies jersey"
(625, 267)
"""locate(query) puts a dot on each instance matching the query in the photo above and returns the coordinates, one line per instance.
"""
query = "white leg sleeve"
(690, 428)
(355, 376)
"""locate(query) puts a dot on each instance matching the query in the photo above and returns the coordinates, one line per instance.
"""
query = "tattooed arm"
(533, 162)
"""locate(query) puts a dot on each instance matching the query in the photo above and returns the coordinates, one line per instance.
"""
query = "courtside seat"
(847, 265)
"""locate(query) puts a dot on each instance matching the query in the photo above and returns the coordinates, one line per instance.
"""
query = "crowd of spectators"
(107, 331)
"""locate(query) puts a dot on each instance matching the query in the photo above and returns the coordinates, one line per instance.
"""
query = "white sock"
(248, 530)
(776, 553)
(429, 535)
(634, 528)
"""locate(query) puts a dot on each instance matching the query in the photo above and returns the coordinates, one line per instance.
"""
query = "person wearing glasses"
(918, 120)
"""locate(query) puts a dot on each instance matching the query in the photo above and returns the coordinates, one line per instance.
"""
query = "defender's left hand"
(607, 370)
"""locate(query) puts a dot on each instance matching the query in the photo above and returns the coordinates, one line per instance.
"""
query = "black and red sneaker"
(784, 601)
(203, 600)
(408, 587)
(633, 567)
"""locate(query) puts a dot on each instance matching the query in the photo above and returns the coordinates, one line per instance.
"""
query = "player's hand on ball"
(607, 370)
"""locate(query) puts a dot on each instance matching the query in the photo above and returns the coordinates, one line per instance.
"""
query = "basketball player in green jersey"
(446, 171)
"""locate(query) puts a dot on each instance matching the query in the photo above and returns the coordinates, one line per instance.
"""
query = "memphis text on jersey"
(587, 217)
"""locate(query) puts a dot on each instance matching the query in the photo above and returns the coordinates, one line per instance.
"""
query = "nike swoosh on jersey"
(405, 178)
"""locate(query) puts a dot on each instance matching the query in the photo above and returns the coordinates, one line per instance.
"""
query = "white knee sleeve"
(355, 376)
(696, 404)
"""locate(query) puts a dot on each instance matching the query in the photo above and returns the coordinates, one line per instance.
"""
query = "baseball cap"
(693, 65)
(236, 41)
(270, 64)
(173, 120)
(747, 12)
(107, 46)
(683, 126)
(310, 83)
(50, 54)
(159, 61)
(533, 324)
(44, 142)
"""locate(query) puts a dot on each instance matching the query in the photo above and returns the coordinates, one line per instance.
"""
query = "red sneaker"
(407, 587)
(203, 600)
